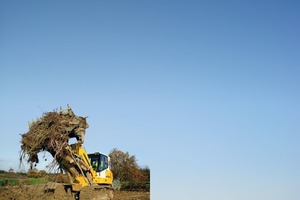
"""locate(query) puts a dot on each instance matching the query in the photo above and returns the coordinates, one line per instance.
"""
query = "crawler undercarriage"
(64, 191)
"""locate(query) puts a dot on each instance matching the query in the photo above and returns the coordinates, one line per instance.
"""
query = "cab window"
(95, 163)
(99, 162)
(103, 162)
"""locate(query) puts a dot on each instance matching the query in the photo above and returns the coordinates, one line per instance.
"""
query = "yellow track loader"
(89, 175)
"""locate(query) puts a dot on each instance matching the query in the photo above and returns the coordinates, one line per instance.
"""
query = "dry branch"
(51, 133)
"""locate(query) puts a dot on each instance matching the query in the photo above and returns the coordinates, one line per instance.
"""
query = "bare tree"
(11, 170)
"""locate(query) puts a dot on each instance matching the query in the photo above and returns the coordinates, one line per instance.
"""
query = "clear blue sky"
(205, 93)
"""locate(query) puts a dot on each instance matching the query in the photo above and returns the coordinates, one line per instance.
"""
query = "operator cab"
(99, 162)
(101, 165)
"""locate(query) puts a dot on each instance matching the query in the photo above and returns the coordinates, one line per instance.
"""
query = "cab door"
(103, 166)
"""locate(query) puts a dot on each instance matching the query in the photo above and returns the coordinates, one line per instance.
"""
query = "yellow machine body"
(94, 169)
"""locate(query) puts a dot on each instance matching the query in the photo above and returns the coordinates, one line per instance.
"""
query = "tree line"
(127, 172)
(128, 175)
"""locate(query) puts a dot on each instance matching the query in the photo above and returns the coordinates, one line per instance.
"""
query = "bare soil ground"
(36, 192)
(126, 195)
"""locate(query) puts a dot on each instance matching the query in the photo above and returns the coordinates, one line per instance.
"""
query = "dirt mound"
(51, 133)
(37, 192)
(33, 192)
